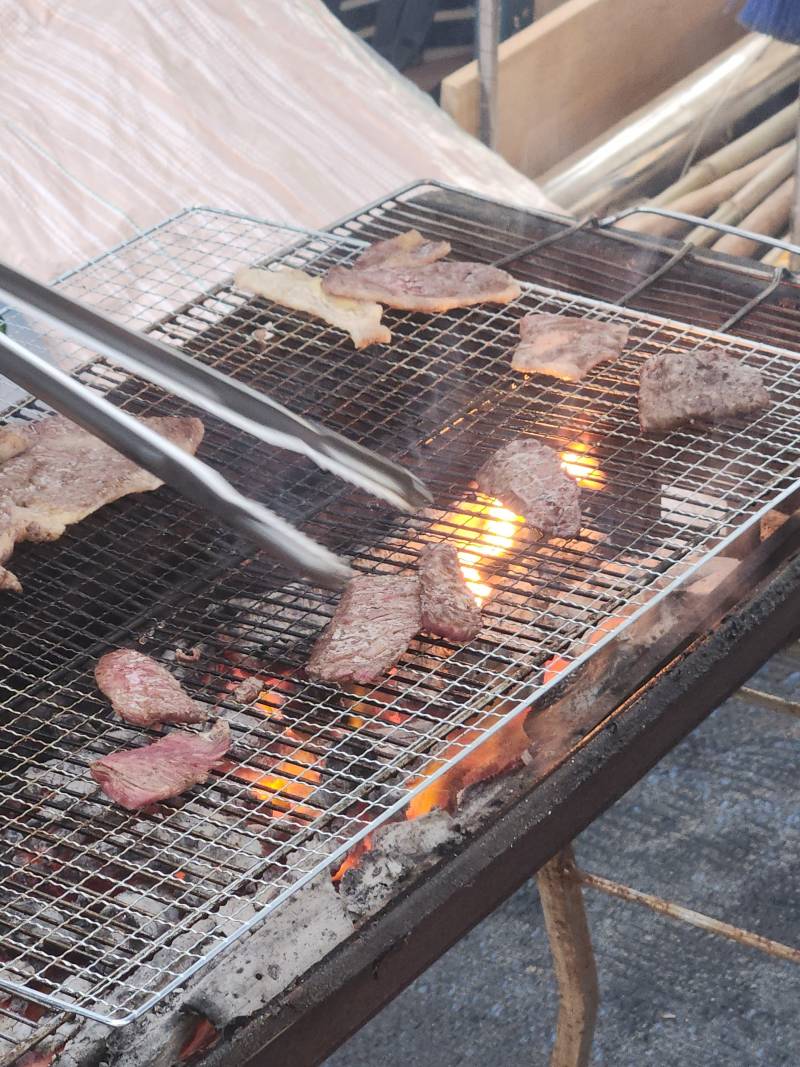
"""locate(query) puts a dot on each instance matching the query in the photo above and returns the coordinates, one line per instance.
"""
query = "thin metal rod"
(688, 915)
(573, 960)
(757, 301)
(488, 40)
(681, 216)
(769, 701)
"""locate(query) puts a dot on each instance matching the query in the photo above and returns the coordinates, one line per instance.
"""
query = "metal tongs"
(206, 387)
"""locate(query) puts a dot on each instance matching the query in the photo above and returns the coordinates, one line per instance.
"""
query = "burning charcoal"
(564, 346)
(697, 388)
(399, 852)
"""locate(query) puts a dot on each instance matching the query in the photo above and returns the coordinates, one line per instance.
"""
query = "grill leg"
(573, 960)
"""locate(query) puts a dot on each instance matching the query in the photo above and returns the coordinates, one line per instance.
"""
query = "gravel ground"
(715, 826)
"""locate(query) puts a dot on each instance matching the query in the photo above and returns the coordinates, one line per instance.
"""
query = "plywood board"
(583, 67)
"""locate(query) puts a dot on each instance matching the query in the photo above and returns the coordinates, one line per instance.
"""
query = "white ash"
(261, 335)
(771, 522)
(308, 926)
(264, 628)
(400, 850)
(479, 802)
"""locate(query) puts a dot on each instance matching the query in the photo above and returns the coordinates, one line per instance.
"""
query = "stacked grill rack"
(108, 911)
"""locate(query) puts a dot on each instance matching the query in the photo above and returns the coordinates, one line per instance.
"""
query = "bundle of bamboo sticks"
(748, 183)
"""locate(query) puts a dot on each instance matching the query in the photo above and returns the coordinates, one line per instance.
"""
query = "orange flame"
(581, 465)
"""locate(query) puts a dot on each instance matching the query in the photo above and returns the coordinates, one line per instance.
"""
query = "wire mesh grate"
(106, 910)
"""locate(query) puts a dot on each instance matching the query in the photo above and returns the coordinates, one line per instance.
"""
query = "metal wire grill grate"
(105, 910)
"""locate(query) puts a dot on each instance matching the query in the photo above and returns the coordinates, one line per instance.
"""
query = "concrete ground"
(716, 826)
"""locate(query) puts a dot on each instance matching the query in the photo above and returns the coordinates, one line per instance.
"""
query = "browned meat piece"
(409, 249)
(57, 474)
(374, 623)
(137, 777)
(144, 693)
(449, 609)
(528, 478)
(691, 388)
(431, 287)
(566, 347)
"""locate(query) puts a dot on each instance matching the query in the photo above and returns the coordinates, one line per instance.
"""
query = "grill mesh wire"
(105, 910)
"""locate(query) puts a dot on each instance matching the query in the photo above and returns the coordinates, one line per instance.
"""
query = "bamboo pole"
(769, 217)
(699, 201)
(777, 257)
(774, 131)
(746, 199)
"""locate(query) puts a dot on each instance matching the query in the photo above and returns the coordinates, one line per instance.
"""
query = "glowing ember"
(496, 754)
(353, 857)
(557, 664)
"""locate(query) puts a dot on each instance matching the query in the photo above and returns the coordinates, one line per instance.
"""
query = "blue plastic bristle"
(776, 18)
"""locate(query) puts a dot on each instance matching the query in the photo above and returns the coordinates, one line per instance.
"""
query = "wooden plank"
(584, 66)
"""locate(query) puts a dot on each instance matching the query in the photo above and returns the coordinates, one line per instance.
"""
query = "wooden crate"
(583, 67)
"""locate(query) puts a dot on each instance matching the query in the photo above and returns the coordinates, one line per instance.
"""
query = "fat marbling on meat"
(137, 777)
(431, 287)
(372, 627)
(696, 388)
(144, 693)
(55, 474)
(527, 477)
(566, 347)
(449, 609)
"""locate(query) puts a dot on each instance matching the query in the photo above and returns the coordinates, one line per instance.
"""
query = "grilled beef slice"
(431, 287)
(57, 474)
(696, 388)
(409, 249)
(449, 609)
(566, 347)
(137, 777)
(372, 627)
(144, 693)
(528, 478)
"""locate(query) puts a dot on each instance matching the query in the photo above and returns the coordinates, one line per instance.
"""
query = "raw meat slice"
(449, 609)
(431, 287)
(137, 777)
(528, 478)
(56, 474)
(303, 292)
(701, 387)
(409, 249)
(372, 627)
(144, 693)
(566, 347)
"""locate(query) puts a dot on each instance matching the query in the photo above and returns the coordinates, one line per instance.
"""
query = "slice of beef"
(449, 609)
(372, 627)
(566, 347)
(56, 474)
(409, 249)
(144, 693)
(527, 477)
(431, 287)
(697, 388)
(137, 777)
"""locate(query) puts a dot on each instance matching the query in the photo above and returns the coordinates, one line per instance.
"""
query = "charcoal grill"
(107, 912)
